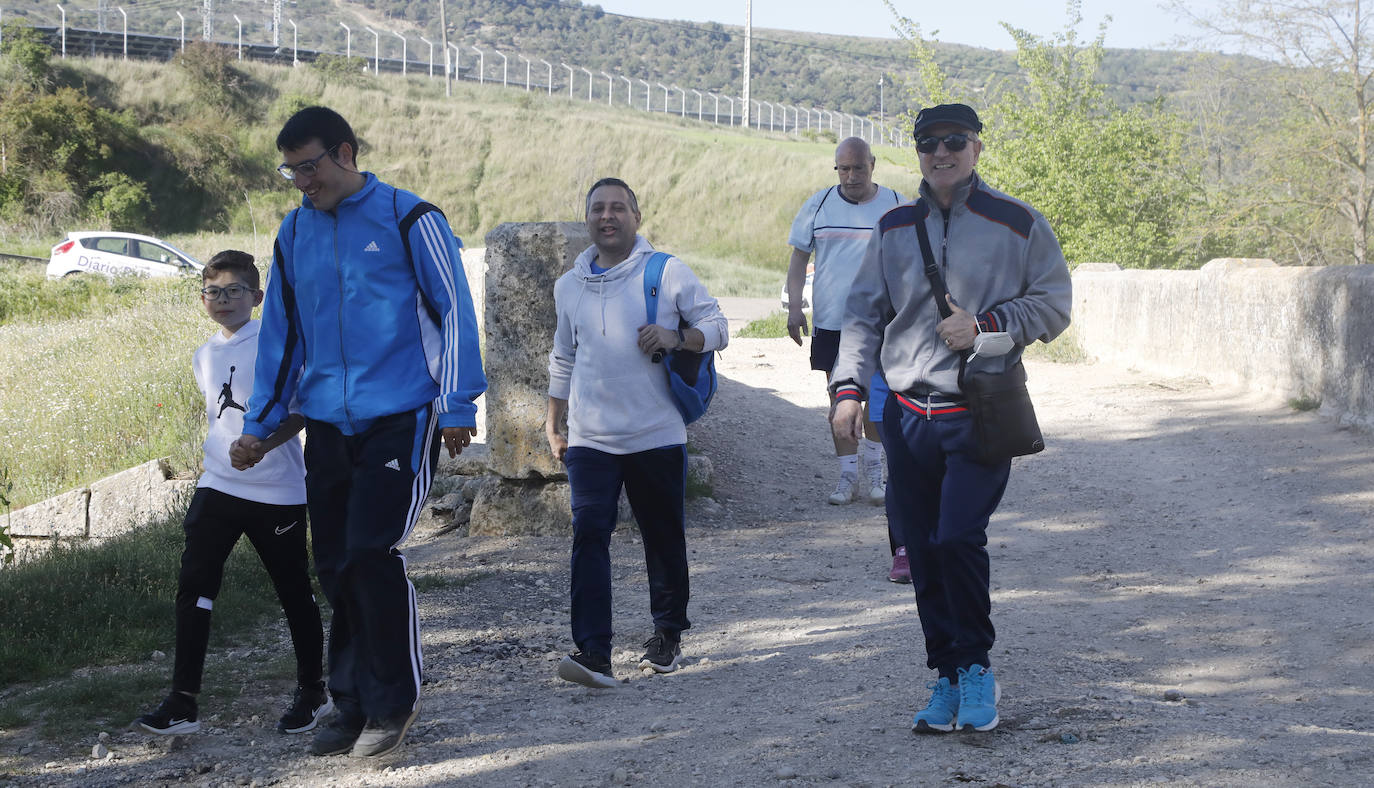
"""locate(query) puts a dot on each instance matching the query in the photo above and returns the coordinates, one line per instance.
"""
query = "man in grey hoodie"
(623, 427)
(1002, 262)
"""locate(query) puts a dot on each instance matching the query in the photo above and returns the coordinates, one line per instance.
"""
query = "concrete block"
(523, 262)
(511, 507)
(61, 516)
(474, 461)
(133, 498)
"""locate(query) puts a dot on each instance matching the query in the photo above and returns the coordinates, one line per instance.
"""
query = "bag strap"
(937, 282)
(653, 278)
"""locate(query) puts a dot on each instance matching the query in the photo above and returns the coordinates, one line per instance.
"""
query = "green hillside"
(806, 69)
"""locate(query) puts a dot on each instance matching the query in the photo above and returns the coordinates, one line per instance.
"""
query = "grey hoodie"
(618, 399)
(1000, 261)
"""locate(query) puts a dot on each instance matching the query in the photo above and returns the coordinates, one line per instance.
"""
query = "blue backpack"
(691, 376)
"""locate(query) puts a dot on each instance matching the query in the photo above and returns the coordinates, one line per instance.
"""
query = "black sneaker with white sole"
(589, 670)
(662, 652)
(176, 714)
(307, 708)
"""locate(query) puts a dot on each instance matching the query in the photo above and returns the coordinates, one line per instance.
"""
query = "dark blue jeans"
(655, 481)
(942, 500)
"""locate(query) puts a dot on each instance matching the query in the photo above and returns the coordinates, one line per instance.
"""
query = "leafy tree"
(25, 48)
(121, 202)
(1308, 164)
(1111, 182)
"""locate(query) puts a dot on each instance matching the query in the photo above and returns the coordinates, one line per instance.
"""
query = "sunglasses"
(953, 143)
(308, 168)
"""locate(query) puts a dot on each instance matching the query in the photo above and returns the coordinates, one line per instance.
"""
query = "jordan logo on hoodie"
(226, 396)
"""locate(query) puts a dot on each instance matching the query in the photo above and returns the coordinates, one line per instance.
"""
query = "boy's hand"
(245, 452)
(457, 438)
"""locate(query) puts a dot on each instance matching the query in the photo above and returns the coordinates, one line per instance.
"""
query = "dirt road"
(1181, 590)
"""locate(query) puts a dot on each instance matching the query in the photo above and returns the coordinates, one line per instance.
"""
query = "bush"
(341, 70)
(214, 80)
(121, 202)
(25, 48)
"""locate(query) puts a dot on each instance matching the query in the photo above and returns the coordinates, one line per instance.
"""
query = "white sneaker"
(877, 489)
(844, 491)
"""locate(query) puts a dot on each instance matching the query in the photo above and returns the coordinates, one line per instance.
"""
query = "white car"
(806, 288)
(118, 254)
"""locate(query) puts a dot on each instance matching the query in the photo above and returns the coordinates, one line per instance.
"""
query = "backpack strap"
(653, 279)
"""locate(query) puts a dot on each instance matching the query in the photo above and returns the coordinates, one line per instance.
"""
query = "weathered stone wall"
(1296, 332)
(109, 507)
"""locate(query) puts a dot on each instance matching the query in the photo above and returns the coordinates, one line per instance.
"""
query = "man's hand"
(796, 325)
(958, 330)
(847, 420)
(558, 443)
(457, 438)
(245, 452)
(654, 337)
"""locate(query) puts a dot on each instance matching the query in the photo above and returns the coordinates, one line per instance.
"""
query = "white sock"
(872, 452)
(849, 463)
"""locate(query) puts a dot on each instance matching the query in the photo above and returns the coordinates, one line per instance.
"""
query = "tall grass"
(113, 603)
(83, 398)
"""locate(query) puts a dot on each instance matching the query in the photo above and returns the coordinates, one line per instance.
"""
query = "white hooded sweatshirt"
(618, 399)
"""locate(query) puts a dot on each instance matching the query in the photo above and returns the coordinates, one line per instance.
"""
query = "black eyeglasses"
(308, 168)
(953, 142)
(233, 292)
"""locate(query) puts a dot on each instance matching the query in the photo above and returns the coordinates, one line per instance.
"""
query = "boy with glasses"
(1001, 261)
(267, 503)
(368, 319)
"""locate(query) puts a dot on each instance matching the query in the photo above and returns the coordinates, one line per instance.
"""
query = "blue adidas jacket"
(361, 321)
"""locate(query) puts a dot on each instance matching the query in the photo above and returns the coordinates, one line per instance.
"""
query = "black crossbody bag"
(1004, 423)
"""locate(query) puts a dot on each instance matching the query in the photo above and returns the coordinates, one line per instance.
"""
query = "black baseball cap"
(958, 114)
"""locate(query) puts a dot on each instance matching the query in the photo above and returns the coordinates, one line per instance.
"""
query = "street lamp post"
(550, 65)
(294, 61)
(481, 65)
(238, 22)
(431, 55)
(504, 69)
(64, 31)
(126, 32)
(376, 50)
(405, 55)
(348, 39)
(527, 70)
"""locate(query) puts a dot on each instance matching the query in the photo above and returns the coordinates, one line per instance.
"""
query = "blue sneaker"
(939, 714)
(978, 696)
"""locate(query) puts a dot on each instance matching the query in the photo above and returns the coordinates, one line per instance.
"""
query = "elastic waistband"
(931, 406)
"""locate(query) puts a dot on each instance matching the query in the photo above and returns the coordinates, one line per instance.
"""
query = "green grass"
(770, 327)
(112, 603)
(1304, 404)
(26, 295)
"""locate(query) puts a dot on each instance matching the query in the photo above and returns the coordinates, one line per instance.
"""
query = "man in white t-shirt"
(835, 224)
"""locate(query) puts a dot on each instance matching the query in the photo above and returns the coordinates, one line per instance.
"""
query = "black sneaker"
(337, 737)
(380, 737)
(307, 707)
(589, 670)
(662, 652)
(176, 714)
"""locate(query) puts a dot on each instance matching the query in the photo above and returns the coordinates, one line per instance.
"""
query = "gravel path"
(1181, 589)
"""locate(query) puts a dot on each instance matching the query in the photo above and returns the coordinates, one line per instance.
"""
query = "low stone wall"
(109, 507)
(1297, 332)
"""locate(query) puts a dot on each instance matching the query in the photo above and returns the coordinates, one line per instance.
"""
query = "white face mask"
(992, 343)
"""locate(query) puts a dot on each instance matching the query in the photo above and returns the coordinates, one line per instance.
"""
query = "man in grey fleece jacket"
(623, 428)
(1008, 281)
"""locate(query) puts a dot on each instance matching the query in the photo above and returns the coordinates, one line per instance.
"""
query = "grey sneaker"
(380, 737)
(662, 652)
(337, 737)
(589, 670)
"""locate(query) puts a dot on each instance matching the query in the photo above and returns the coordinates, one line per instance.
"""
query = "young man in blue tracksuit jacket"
(368, 322)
